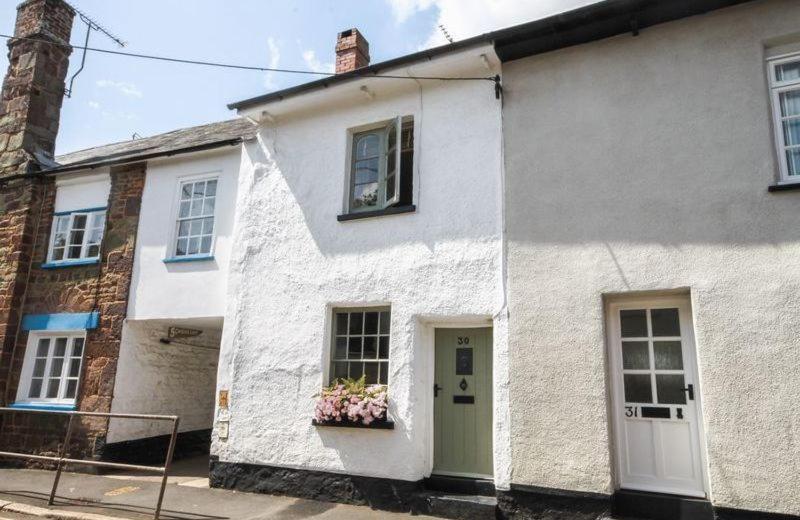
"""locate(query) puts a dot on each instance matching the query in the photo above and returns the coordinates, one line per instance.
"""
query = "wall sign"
(181, 332)
(223, 399)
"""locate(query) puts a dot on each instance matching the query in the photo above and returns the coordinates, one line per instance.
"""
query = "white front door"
(656, 409)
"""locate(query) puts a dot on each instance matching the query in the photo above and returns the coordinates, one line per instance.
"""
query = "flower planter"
(376, 425)
(352, 403)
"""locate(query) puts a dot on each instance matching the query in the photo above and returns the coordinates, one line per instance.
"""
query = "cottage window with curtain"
(381, 167)
(51, 368)
(361, 344)
(785, 88)
(194, 229)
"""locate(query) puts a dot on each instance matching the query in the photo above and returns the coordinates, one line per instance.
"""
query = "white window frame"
(85, 244)
(176, 218)
(26, 375)
(382, 362)
(776, 88)
(385, 200)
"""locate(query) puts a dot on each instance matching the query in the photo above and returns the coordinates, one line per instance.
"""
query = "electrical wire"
(245, 67)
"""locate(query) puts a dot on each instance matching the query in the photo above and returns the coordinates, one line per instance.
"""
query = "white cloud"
(313, 63)
(465, 18)
(94, 104)
(274, 61)
(127, 89)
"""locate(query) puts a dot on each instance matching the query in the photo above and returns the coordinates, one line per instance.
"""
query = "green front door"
(462, 410)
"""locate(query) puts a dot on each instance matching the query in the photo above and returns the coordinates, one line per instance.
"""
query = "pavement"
(130, 495)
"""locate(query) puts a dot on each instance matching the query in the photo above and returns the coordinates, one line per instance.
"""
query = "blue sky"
(116, 96)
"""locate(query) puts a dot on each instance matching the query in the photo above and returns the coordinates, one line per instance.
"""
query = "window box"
(383, 424)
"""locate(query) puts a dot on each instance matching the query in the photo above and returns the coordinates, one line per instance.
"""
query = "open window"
(381, 168)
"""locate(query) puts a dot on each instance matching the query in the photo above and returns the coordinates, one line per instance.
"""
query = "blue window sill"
(180, 259)
(43, 406)
(70, 263)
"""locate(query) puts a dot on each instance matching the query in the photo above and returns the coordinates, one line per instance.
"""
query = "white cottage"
(369, 242)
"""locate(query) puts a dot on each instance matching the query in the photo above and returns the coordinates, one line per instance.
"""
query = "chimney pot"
(352, 51)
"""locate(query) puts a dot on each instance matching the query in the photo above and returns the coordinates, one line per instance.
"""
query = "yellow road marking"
(120, 491)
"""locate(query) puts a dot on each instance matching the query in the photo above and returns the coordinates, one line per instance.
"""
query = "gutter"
(123, 160)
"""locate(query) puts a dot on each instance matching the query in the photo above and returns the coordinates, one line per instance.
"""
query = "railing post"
(167, 464)
(61, 455)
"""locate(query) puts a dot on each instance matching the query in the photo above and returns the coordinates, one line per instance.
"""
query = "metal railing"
(64, 449)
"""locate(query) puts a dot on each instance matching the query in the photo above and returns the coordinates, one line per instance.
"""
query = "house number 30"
(463, 340)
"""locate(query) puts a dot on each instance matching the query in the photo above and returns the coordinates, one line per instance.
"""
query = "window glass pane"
(383, 351)
(665, 322)
(354, 348)
(341, 323)
(790, 103)
(340, 348)
(180, 248)
(633, 323)
(76, 237)
(72, 386)
(74, 252)
(92, 251)
(205, 245)
(356, 370)
(365, 195)
(38, 367)
(55, 367)
(183, 228)
(668, 355)
(370, 347)
(366, 171)
(791, 132)
(77, 347)
(787, 71)
(368, 145)
(198, 190)
(79, 222)
(74, 367)
(390, 186)
(208, 207)
(43, 347)
(98, 219)
(186, 191)
(385, 319)
(61, 347)
(371, 323)
(340, 370)
(208, 226)
(52, 388)
(195, 227)
(197, 208)
(635, 355)
(371, 371)
(36, 388)
(184, 211)
(638, 388)
(58, 254)
(62, 223)
(383, 377)
(194, 246)
(356, 322)
(211, 188)
(95, 235)
(670, 389)
(793, 161)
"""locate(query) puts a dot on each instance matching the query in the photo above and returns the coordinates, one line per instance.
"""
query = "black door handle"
(436, 389)
(690, 390)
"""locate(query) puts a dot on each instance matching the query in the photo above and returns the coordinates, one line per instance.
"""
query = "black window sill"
(784, 187)
(393, 210)
(376, 425)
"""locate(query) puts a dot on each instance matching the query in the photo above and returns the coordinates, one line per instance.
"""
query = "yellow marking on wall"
(121, 491)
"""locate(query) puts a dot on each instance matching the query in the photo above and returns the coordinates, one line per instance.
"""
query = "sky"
(115, 97)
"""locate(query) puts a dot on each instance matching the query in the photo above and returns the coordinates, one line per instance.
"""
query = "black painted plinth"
(534, 503)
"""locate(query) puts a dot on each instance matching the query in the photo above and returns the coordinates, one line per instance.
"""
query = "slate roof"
(185, 140)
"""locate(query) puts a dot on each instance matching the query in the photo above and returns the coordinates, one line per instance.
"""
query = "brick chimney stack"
(33, 89)
(352, 51)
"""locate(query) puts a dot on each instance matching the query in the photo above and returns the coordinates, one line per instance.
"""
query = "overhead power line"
(248, 67)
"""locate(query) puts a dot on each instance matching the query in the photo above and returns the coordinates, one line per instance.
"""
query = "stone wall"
(102, 287)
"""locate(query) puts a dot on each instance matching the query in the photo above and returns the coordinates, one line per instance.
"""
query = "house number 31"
(463, 340)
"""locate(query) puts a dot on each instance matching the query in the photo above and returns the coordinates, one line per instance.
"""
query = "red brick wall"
(352, 51)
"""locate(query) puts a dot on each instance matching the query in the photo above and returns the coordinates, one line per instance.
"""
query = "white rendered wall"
(187, 289)
(155, 378)
(440, 265)
(82, 192)
(638, 164)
